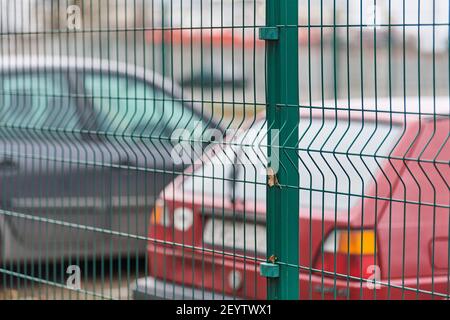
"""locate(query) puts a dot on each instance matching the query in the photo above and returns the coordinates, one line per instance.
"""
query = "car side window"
(37, 101)
(126, 106)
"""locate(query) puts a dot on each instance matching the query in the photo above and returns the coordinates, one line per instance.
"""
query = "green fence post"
(283, 115)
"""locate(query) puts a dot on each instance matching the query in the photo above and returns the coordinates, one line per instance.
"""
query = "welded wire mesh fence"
(223, 149)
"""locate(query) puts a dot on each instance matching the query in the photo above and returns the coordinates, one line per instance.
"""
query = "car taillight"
(160, 214)
(349, 252)
(181, 219)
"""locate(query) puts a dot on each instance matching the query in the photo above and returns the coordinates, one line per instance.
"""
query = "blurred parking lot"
(168, 142)
(106, 279)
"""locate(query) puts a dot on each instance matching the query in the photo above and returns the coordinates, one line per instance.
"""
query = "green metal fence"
(222, 149)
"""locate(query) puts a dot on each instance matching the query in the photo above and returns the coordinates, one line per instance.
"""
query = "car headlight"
(160, 214)
(183, 218)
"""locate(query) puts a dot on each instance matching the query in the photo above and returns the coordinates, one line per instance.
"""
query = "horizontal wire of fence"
(221, 149)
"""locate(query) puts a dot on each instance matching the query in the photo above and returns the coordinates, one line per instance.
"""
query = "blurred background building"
(209, 45)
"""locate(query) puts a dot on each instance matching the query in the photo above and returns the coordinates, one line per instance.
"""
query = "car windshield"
(131, 107)
(330, 151)
(37, 101)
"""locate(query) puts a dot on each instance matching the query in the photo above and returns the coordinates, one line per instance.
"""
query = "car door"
(136, 120)
(414, 229)
(48, 172)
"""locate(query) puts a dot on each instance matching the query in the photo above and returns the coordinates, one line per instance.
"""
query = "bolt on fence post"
(282, 89)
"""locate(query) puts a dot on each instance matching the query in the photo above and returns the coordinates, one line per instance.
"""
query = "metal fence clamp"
(268, 33)
(270, 269)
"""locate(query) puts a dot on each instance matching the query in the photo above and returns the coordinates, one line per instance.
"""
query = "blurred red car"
(374, 205)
